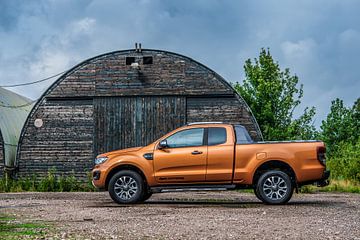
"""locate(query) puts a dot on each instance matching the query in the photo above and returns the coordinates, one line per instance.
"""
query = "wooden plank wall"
(168, 75)
(220, 109)
(122, 122)
(65, 141)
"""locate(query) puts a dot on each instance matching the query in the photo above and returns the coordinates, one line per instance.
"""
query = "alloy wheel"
(275, 187)
(125, 187)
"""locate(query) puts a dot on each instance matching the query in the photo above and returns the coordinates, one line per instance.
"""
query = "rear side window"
(242, 135)
(216, 136)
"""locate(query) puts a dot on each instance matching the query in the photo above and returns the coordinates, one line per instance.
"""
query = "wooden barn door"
(123, 122)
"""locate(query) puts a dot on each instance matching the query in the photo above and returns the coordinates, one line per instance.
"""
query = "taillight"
(321, 155)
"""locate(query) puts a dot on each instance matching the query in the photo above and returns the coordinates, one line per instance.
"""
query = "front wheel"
(275, 187)
(126, 187)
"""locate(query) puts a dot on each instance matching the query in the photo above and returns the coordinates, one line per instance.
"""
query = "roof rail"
(195, 123)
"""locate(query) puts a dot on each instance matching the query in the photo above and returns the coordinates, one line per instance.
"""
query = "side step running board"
(185, 188)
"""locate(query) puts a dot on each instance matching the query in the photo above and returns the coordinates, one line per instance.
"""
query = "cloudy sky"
(318, 40)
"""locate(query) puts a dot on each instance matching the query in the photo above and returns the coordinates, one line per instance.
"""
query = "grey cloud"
(317, 40)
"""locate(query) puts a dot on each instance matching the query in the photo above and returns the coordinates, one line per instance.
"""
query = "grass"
(10, 228)
(50, 183)
(69, 183)
(335, 186)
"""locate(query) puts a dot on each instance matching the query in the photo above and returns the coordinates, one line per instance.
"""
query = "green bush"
(51, 183)
(345, 162)
(335, 186)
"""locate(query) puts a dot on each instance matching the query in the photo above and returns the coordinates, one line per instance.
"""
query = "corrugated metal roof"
(14, 110)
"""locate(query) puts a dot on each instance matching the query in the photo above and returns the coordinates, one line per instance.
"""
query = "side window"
(216, 136)
(187, 138)
(242, 136)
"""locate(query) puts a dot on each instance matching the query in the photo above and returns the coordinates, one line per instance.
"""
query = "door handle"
(196, 152)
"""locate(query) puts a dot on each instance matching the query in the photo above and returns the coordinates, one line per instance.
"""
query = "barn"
(122, 99)
(14, 110)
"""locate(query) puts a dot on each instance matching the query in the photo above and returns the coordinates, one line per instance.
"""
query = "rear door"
(220, 162)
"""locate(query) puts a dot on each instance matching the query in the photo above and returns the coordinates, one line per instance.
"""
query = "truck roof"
(199, 123)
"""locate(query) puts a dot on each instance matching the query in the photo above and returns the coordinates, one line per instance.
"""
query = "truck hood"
(120, 152)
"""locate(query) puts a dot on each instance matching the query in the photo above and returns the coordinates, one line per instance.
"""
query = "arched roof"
(133, 51)
(14, 109)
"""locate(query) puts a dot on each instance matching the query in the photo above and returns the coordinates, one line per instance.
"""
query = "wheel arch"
(274, 165)
(123, 167)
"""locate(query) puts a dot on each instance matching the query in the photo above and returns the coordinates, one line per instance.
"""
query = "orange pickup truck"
(211, 156)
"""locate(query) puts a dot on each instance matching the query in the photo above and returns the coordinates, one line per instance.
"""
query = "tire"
(257, 194)
(146, 196)
(126, 187)
(275, 187)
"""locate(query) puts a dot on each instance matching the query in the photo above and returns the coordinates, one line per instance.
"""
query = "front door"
(184, 158)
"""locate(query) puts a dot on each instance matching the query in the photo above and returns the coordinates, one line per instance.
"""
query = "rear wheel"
(126, 187)
(146, 196)
(274, 187)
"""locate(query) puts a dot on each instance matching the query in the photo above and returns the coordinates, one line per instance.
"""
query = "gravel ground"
(194, 215)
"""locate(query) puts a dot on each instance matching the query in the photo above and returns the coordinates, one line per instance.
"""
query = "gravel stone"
(190, 215)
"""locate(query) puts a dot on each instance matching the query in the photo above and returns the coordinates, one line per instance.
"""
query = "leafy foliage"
(273, 95)
(341, 133)
(341, 125)
(345, 162)
(335, 186)
(51, 183)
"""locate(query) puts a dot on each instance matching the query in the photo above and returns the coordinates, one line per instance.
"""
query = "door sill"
(185, 188)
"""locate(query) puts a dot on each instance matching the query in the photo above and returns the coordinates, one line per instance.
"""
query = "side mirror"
(163, 144)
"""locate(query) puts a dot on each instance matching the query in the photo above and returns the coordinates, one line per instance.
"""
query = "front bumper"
(96, 175)
(324, 181)
(98, 178)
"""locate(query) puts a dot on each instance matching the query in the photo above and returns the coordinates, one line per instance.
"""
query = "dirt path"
(195, 215)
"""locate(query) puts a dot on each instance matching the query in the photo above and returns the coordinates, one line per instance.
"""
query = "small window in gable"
(147, 60)
(130, 60)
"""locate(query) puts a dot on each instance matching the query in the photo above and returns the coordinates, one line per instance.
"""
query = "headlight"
(100, 160)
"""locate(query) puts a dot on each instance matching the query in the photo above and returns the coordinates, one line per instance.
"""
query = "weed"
(50, 183)
(334, 186)
(10, 228)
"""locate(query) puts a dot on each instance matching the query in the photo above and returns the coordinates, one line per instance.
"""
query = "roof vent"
(138, 49)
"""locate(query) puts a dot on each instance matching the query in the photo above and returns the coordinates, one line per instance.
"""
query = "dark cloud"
(317, 40)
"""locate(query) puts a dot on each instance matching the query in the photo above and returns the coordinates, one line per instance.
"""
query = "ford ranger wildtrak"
(211, 156)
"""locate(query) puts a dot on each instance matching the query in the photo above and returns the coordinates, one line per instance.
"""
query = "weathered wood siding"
(64, 142)
(104, 104)
(220, 109)
(110, 76)
(2, 159)
(122, 122)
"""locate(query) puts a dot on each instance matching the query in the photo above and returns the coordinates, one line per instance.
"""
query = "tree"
(356, 117)
(342, 125)
(273, 95)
